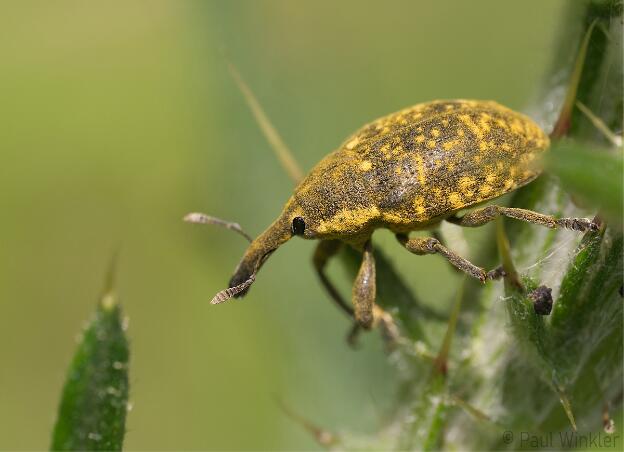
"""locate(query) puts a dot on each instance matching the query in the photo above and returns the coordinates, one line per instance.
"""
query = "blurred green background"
(117, 118)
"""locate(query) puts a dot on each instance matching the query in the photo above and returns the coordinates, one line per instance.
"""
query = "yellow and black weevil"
(406, 171)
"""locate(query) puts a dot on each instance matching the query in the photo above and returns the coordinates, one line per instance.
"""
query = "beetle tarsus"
(230, 292)
(497, 273)
(577, 224)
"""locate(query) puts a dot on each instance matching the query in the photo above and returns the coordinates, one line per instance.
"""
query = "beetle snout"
(239, 278)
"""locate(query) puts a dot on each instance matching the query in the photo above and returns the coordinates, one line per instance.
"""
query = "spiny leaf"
(92, 411)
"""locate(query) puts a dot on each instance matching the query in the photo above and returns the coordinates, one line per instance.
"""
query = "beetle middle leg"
(430, 245)
(486, 214)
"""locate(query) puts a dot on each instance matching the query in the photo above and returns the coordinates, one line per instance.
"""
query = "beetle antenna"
(202, 218)
(230, 292)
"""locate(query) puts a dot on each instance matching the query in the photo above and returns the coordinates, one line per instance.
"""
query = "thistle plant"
(541, 353)
(513, 363)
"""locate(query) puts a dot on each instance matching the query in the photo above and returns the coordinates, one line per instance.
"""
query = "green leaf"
(93, 407)
(592, 174)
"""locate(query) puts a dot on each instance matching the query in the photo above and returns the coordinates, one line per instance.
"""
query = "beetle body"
(406, 171)
(414, 167)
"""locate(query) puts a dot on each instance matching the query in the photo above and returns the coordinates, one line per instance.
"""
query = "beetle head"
(291, 222)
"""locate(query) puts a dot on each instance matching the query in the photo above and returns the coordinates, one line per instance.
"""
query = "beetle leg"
(430, 245)
(367, 313)
(327, 249)
(364, 289)
(324, 251)
(481, 216)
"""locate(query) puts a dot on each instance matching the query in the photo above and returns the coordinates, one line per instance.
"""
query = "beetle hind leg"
(486, 214)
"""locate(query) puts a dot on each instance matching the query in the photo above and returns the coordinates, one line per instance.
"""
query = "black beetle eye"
(298, 226)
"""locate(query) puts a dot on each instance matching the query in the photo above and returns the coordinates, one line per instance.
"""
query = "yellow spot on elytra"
(483, 122)
(445, 122)
(439, 194)
(502, 123)
(482, 146)
(477, 158)
(485, 190)
(455, 200)
(490, 178)
(465, 183)
(505, 147)
(366, 165)
(450, 144)
(466, 119)
(391, 217)
(431, 143)
(508, 184)
(353, 143)
(516, 127)
(435, 133)
(419, 205)
(419, 130)
(398, 170)
(460, 132)
(348, 220)
(420, 139)
(420, 164)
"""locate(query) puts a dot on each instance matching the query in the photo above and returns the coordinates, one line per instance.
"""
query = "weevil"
(405, 172)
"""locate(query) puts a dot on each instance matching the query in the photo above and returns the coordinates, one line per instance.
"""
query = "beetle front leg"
(324, 251)
(481, 216)
(430, 245)
(365, 288)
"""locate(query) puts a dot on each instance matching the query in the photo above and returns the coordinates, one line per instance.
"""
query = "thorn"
(599, 124)
(281, 150)
(109, 299)
(565, 116)
(323, 437)
(567, 407)
(440, 364)
(471, 410)
(202, 218)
